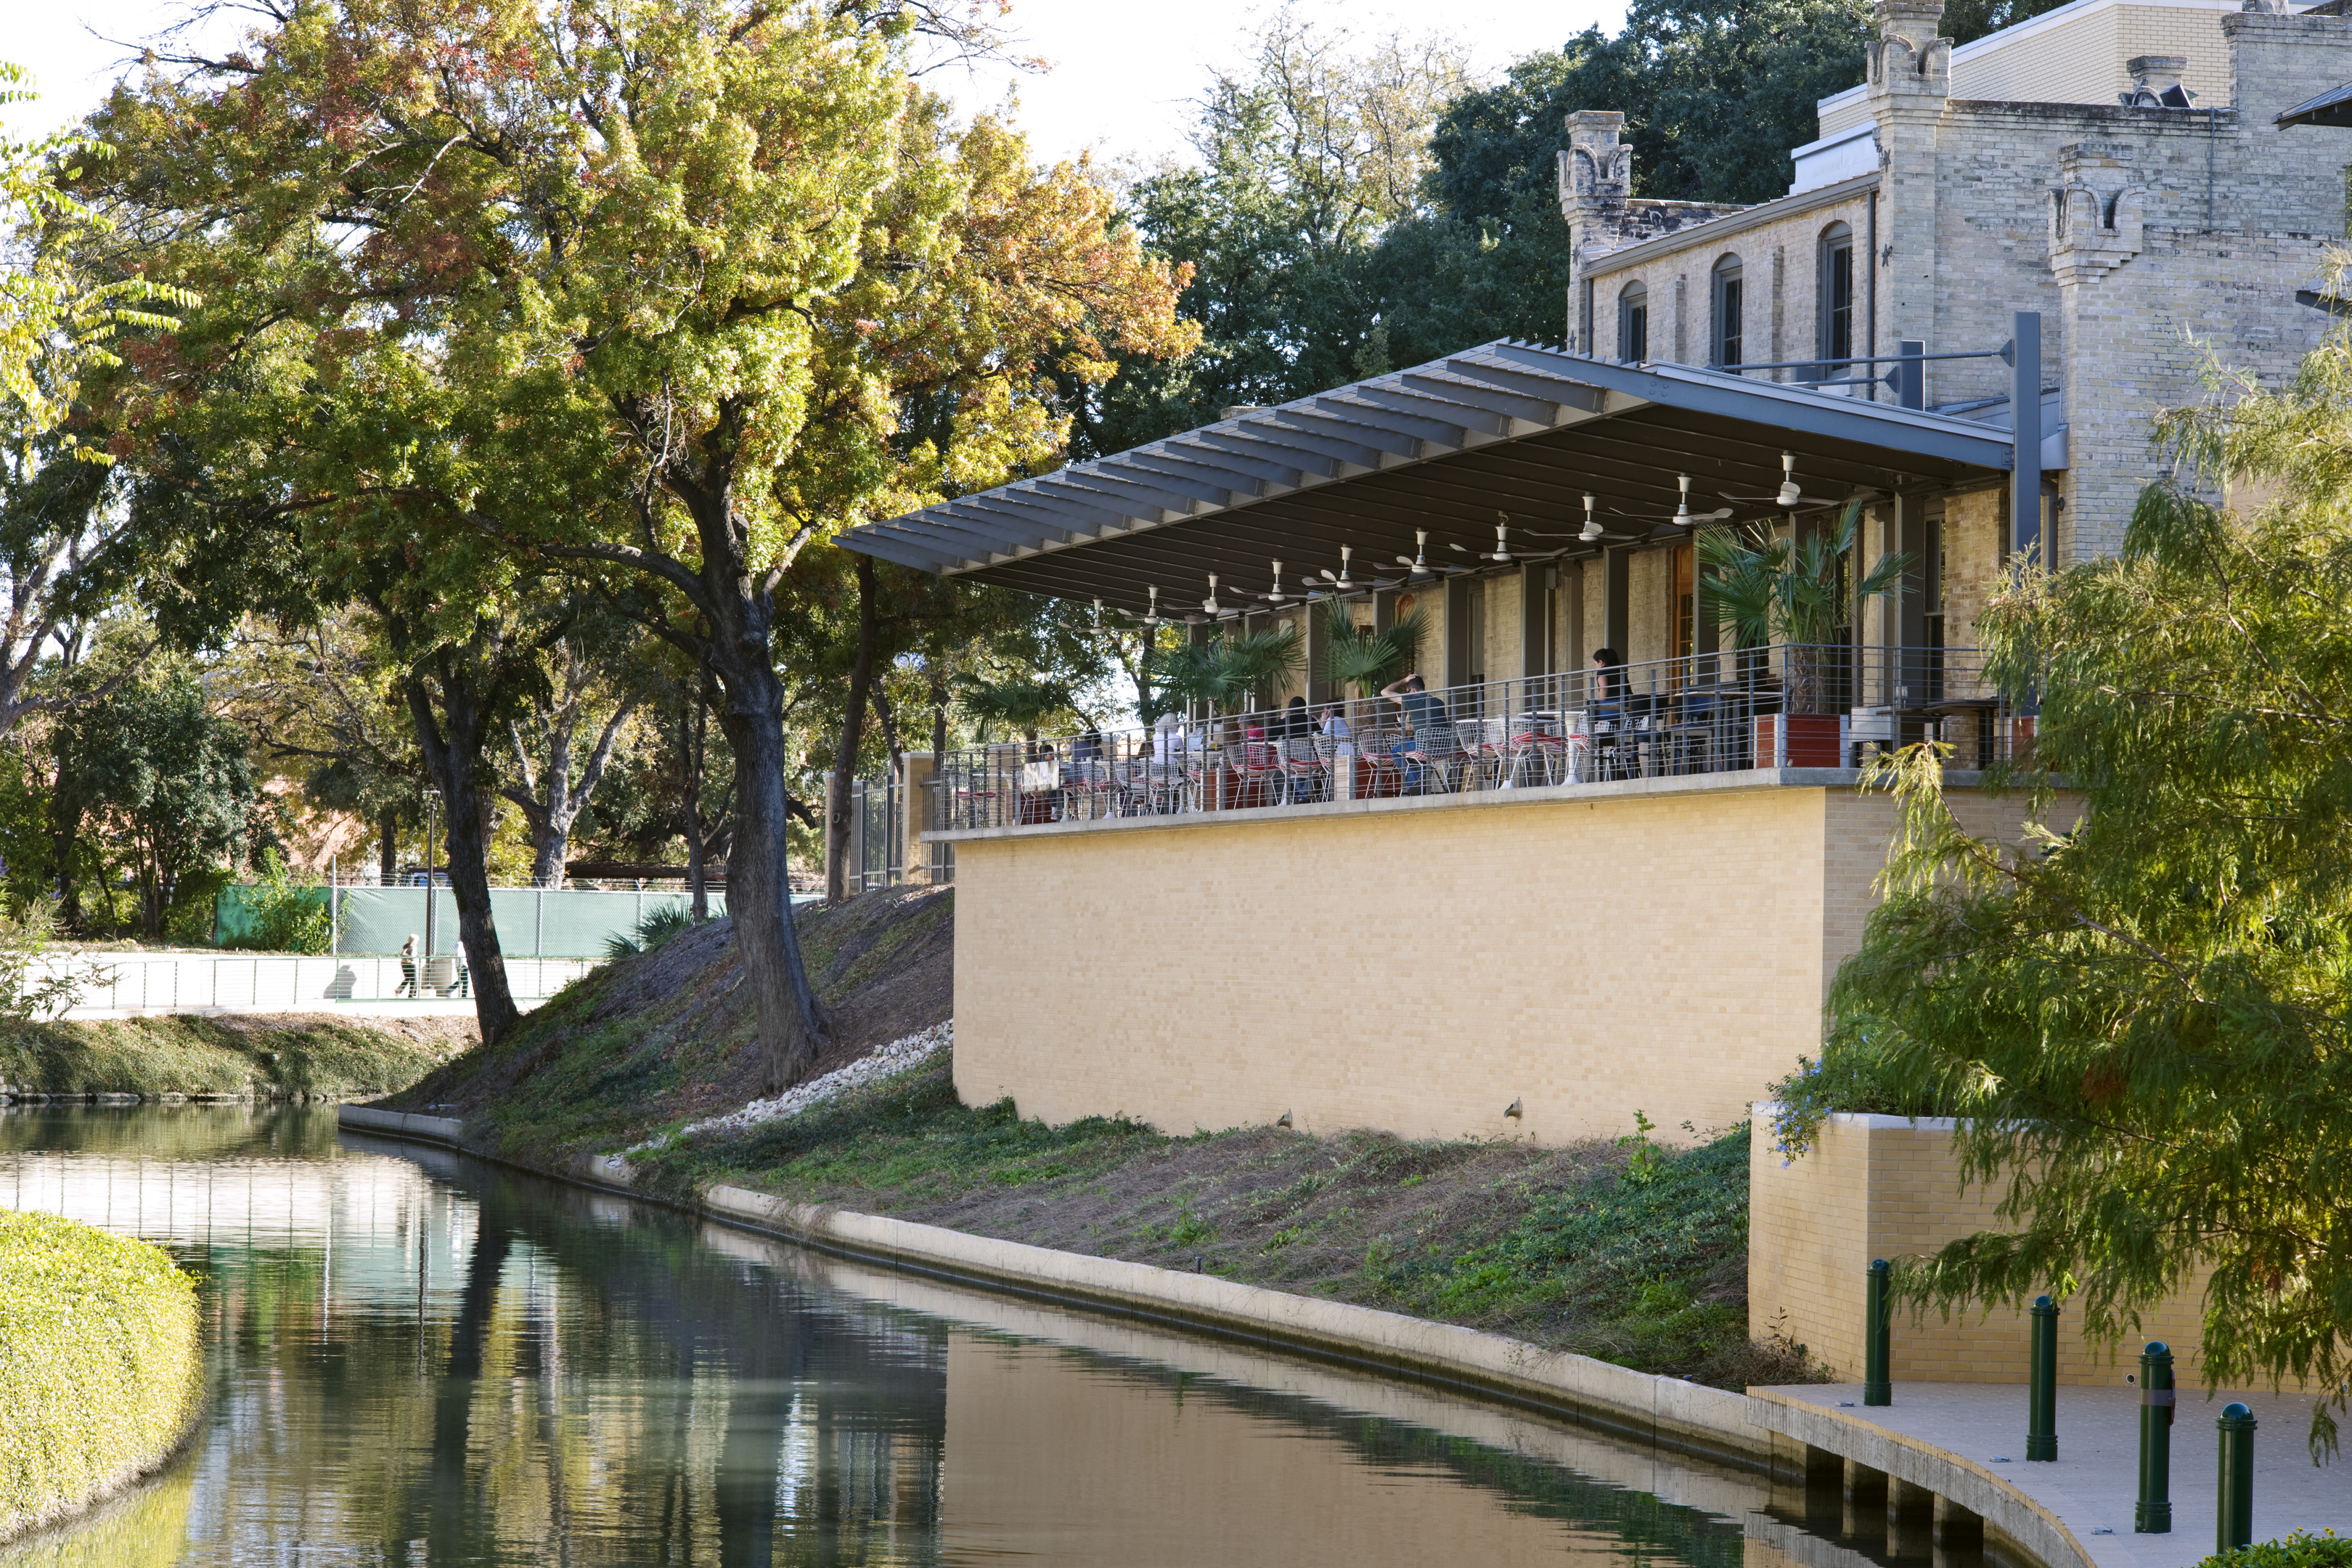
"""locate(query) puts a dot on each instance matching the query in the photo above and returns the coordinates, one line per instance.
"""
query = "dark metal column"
(2025, 427)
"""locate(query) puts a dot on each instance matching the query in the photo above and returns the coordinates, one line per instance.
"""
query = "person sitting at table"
(1334, 723)
(1425, 716)
(1608, 682)
(1088, 747)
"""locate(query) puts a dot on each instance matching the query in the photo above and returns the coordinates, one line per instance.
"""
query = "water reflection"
(419, 1360)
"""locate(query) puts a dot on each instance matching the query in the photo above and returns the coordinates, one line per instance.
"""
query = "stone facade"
(2153, 240)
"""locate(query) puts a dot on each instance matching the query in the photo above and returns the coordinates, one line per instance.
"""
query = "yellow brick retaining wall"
(1886, 1186)
(1420, 967)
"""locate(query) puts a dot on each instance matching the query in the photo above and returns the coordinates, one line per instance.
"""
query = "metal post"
(1911, 372)
(2152, 1515)
(1878, 1332)
(2025, 427)
(2042, 1383)
(2234, 1515)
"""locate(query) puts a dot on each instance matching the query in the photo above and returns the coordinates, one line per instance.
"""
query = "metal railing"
(286, 983)
(1784, 707)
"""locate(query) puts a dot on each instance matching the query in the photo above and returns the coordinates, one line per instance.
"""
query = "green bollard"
(2152, 1515)
(2042, 1383)
(1877, 1336)
(2234, 1516)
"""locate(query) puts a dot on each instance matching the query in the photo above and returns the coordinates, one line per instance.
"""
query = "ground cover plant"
(255, 1054)
(2301, 1549)
(103, 1359)
(1631, 1251)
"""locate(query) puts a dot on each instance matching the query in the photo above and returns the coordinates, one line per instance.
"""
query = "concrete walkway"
(2092, 1484)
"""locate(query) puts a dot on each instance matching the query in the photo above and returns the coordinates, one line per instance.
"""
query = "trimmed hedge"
(102, 1359)
(2301, 1549)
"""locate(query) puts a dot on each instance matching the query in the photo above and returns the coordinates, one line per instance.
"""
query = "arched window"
(1833, 341)
(1633, 323)
(1728, 301)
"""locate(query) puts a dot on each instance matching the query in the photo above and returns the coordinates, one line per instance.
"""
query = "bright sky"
(1124, 75)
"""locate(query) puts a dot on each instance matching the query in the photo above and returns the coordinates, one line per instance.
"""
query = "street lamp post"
(432, 799)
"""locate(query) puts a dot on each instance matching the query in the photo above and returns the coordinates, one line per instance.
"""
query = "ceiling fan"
(1419, 569)
(1277, 596)
(1792, 494)
(1344, 583)
(1209, 606)
(1502, 551)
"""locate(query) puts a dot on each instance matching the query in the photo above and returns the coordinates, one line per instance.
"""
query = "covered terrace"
(1535, 506)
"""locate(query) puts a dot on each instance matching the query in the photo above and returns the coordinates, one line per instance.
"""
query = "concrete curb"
(1665, 1411)
(1966, 1482)
(1754, 1432)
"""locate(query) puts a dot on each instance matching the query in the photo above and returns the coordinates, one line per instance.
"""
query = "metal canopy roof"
(2333, 107)
(1507, 427)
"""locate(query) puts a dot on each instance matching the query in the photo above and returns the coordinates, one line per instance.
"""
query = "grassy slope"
(1629, 1252)
(643, 1045)
(181, 1054)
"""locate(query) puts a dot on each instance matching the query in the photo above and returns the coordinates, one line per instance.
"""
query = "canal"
(422, 1359)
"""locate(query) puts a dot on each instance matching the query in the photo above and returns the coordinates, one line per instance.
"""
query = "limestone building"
(2119, 167)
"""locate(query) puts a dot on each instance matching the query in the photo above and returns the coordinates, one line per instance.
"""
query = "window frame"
(1633, 321)
(1728, 290)
(1834, 264)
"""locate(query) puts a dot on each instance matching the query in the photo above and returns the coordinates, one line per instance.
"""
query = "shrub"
(282, 916)
(2301, 1549)
(652, 930)
(102, 1358)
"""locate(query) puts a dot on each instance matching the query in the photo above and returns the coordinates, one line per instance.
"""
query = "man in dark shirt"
(1424, 718)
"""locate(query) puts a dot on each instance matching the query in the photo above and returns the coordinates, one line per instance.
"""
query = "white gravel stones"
(895, 1058)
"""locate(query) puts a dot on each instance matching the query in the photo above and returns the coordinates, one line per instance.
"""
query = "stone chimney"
(1906, 59)
(1596, 171)
(2156, 82)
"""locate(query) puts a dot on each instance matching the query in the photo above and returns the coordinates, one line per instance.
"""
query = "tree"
(150, 765)
(2142, 1023)
(1306, 161)
(711, 275)
(577, 684)
(56, 317)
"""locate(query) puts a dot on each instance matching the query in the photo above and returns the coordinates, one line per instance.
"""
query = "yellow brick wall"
(1414, 970)
(1879, 1186)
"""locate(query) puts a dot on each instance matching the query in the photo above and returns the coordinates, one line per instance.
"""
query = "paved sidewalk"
(2095, 1481)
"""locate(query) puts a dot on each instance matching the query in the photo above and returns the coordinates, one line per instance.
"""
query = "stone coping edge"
(1667, 1411)
(1999, 1504)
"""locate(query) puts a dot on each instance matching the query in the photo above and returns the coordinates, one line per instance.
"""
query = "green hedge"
(2301, 1549)
(102, 1360)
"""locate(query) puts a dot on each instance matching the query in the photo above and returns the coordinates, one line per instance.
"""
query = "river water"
(422, 1359)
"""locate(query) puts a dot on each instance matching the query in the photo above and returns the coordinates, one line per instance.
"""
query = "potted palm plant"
(1367, 660)
(1231, 673)
(1024, 706)
(1792, 592)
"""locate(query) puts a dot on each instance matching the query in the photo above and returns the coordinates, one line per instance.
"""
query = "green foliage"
(2142, 1021)
(1792, 589)
(2301, 1549)
(656, 928)
(182, 1053)
(1232, 672)
(1021, 705)
(1363, 658)
(150, 765)
(283, 916)
(102, 1354)
(33, 984)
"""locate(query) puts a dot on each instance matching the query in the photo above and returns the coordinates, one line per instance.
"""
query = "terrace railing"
(1784, 707)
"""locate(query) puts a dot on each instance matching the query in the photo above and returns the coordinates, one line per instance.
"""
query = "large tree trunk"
(388, 846)
(454, 756)
(691, 734)
(759, 883)
(839, 803)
